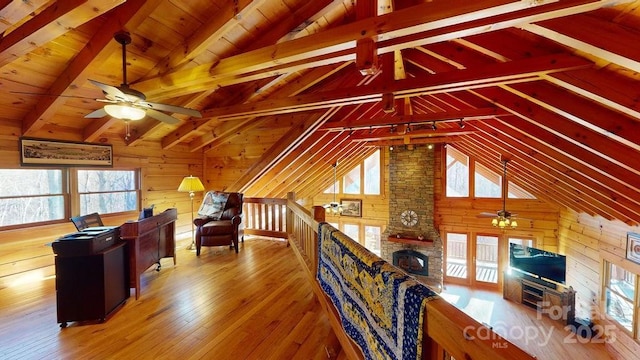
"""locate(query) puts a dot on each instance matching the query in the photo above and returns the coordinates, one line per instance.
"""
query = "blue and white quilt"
(381, 307)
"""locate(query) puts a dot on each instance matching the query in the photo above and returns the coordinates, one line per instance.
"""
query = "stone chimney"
(411, 184)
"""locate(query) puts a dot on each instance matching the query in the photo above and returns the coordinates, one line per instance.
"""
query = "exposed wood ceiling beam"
(605, 40)
(574, 163)
(296, 163)
(208, 33)
(573, 137)
(129, 14)
(557, 168)
(312, 50)
(280, 149)
(514, 71)
(410, 137)
(458, 115)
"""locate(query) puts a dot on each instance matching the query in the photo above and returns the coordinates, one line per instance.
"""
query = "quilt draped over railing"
(381, 307)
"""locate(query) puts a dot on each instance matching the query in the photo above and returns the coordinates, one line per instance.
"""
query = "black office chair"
(85, 221)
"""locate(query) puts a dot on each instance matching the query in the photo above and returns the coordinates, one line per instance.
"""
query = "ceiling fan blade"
(111, 92)
(167, 119)
(487, 215)
(170, 108)
(100, 113)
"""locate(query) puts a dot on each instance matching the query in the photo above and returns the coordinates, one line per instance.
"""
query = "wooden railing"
(484, 252)
(449, 331)
(265, 217)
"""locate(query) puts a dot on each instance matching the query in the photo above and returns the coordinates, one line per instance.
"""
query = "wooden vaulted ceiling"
(289, 87)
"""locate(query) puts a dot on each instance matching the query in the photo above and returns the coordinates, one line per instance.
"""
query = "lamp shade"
(191, 184)
(124, 112)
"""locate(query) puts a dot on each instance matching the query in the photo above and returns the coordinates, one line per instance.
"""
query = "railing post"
(319, 213)
(291, 197)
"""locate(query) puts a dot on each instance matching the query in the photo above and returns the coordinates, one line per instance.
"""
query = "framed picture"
(633, 247)
(351, 207)
(52, 152)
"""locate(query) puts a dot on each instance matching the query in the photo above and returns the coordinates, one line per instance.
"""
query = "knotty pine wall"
(588, 241)
(25, 252)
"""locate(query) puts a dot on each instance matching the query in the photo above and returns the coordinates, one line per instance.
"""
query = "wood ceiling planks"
(282, 73)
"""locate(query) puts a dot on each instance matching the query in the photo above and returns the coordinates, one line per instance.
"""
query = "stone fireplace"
(411, 183)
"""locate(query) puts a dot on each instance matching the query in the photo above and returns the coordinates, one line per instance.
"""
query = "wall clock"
(409, 218)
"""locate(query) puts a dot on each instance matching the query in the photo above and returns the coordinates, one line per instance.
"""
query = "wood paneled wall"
(588, 241)
(25, 251)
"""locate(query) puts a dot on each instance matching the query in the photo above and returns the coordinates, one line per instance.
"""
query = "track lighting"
(433, 126)
(408, 128)
(461, 124)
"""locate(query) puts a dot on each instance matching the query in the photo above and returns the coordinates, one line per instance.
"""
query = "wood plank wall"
(24, 252)
(588, 241)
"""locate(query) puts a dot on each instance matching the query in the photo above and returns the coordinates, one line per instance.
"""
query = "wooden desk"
(149, 240)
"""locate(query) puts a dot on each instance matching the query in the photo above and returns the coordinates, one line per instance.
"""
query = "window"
(352, 231)
(621, 297)
(107, 191)
(487, 184)
(457, 173)
(372, 174)
(516, 192)
(39, 199)
(352, 181)
(372, 238)
(456, 255)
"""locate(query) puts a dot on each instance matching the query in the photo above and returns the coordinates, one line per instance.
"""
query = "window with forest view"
(372, 174)
(30, 195)
(457, 173)
(107, 191)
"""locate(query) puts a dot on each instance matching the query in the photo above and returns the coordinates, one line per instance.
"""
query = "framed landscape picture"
(633, 247)
(351, 207)
(52, 152)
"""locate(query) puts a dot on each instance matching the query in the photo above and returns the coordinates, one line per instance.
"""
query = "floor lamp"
(191, 184)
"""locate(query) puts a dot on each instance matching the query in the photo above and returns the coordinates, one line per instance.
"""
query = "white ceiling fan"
(502, 218)
(129, 104)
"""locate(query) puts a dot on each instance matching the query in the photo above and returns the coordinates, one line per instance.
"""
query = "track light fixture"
(408, 128)
(433, 126)
(461, 124)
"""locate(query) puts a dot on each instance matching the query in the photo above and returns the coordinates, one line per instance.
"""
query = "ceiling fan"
(129, 104)
(502, 218)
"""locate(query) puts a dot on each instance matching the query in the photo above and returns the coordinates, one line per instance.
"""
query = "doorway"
(473, 259)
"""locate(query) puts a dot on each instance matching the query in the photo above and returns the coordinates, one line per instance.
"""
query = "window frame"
(76, 194)
(635, 302)
(71, 195)
(64, 193)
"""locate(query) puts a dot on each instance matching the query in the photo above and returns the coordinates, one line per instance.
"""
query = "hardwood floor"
(537, 334)
(253, 305)
(256, 304)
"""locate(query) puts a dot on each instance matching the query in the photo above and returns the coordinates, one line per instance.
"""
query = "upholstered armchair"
(219, 220)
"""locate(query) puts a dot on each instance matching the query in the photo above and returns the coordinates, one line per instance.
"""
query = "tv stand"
(554, 300)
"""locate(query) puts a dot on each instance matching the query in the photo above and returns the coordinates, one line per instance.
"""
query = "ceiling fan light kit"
(124, 112)
(126, 103)
(334, 207)
(504, 219)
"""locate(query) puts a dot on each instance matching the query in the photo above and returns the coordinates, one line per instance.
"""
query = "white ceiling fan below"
(129, 104)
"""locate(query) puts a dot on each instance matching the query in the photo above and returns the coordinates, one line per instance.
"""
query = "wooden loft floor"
(257, 304)
(253, 305)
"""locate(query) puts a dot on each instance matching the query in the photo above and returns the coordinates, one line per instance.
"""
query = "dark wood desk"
(149, 240)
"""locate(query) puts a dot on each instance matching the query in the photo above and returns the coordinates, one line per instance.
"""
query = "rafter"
(78, 71)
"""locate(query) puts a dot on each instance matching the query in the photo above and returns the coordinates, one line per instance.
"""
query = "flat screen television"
(540, 263)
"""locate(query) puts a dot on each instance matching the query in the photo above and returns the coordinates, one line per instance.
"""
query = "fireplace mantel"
(409, 240)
